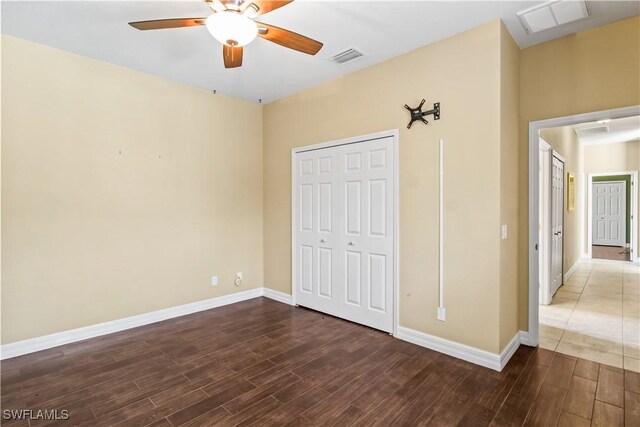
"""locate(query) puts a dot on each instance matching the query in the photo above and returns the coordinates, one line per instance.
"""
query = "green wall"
(626, 178)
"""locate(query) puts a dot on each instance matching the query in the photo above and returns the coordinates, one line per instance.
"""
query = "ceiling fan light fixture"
(251, 11)
(231, 28)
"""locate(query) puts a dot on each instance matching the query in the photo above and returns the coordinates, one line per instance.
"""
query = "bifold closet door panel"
(315, 222)
(366, 240)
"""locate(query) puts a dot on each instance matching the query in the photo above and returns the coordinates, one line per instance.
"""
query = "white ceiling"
(381, 29)
(620, 130)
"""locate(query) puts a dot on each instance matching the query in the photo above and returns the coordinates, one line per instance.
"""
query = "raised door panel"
(306, 269)
(325, 207)
(325, 271)
(353, 208)
(353, 278)
(378, 282)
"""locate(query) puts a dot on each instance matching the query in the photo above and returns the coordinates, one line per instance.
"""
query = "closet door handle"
(351, 243)
(322, 241)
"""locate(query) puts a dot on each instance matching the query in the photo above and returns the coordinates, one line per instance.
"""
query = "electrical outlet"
(238, 281)
(214, 280)
(442, 313)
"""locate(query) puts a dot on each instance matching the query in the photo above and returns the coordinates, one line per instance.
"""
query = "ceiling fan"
(232, 24)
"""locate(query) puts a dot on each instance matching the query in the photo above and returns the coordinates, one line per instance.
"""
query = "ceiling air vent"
(593, 130)
(552, 14)
(346, 56)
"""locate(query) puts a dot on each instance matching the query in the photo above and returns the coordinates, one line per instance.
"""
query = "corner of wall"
(509, 174)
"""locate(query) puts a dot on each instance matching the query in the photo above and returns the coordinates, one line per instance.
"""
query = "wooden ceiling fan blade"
(265, 6)
(232, 56)
(289, 39)
(160, 24)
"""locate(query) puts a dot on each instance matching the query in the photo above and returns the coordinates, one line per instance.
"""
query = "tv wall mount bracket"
(418, 115)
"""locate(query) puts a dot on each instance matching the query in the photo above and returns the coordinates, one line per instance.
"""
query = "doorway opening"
(583, 198)
(612, 215)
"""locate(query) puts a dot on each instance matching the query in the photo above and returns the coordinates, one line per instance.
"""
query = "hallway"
(595, 315)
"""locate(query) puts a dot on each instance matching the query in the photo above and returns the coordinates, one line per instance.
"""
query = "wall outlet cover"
(442, 313)
(214, 280)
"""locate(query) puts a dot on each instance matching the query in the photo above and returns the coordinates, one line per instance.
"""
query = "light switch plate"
(214, 280)
(504, 231)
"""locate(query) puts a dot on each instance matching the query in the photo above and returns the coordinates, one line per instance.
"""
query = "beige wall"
(565, 142)
(605, 158)
(151, 166)
(122, 193)
(509, 150)
(619, 157)
(589, 71)
(463, 73)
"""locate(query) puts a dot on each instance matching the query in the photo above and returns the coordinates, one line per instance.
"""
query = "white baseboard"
(509, 350)
(54, 340)
(524, 338)
(461, 351)
(277, 296)
(568, 274)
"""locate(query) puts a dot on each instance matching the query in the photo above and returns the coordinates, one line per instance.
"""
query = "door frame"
(395, 135)
(545, 222)
(534, 136)
(633, 223)
(560, 157)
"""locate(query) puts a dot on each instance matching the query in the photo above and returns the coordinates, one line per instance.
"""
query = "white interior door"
(344, 231)
(315, 218)
(609, 211)
(366, 238)
(557, 222)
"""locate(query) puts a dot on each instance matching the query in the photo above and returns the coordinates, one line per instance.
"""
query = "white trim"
(558, 156)
(634, 212)
(277, 296)
(545, 145)
(583, 215)
(441, 234)
(352, 140)
(395, 135)
(509, 350)
(534, 137)
(66, 337)
(544, 246)
(462, 351)
(568, 274)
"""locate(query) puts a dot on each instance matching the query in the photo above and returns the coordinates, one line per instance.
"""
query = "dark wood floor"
(260, 362)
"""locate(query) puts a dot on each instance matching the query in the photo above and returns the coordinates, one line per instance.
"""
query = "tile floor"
(595, 315)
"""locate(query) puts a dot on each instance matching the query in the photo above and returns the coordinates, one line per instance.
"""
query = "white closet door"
(557, 223)
(344, 236)
(315, 240)
(609, 211)
(366, 240)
